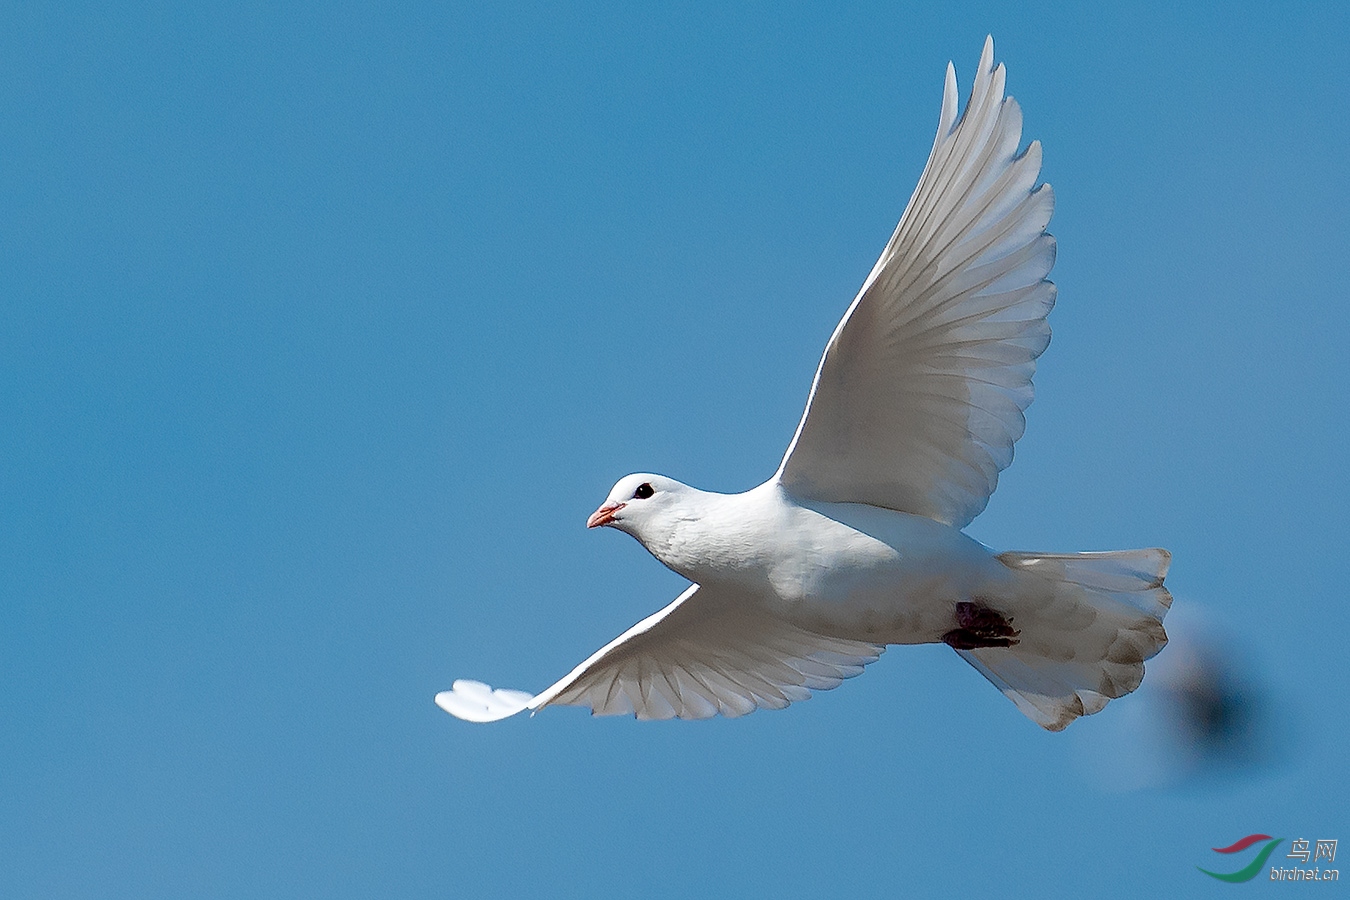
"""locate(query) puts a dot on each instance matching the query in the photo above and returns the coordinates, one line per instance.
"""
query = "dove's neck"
(711, 538)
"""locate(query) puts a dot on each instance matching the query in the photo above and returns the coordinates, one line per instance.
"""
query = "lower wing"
(711, 651)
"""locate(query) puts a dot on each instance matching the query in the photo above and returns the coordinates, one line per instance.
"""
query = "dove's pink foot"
(979, 626)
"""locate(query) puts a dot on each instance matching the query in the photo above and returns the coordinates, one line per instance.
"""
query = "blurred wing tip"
(474, 701)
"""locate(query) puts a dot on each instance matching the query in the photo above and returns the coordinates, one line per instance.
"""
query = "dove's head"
(641, 504)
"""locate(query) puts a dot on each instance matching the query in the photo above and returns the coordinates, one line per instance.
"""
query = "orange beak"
(604, 515)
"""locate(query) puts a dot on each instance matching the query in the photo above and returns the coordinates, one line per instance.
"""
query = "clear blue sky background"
(322, 331)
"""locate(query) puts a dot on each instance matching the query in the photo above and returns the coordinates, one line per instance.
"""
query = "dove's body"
(845, 569)
(856, 541)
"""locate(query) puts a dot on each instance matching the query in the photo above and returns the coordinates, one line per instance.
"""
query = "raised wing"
(709, 652)
(920, 395)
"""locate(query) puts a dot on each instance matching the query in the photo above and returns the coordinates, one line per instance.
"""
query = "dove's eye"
(643, 491)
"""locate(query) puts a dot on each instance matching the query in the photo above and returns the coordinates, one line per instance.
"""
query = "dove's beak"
(604, 515)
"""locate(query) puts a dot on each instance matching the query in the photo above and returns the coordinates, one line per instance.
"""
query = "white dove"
(855, 542)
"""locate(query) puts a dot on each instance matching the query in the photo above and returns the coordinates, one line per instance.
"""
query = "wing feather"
(921, 393)
(707, 653)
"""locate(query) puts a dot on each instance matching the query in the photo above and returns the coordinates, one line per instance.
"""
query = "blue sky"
(322, 331)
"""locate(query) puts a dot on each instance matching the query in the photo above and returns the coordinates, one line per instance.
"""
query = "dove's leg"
(979, 626)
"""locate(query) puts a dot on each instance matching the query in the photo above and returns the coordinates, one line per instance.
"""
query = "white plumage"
(855, 542)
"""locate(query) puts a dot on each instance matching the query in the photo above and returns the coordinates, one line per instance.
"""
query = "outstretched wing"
(709, 652)
(921, 392)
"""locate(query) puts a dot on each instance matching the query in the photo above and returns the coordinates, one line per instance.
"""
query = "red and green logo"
(1247, 872)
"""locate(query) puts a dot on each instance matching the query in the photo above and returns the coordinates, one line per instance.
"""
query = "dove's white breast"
(845, 569)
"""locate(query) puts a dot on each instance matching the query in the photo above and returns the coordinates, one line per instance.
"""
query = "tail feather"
(1088, 621)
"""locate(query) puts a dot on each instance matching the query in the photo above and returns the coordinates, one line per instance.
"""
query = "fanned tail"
(1087, 623)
